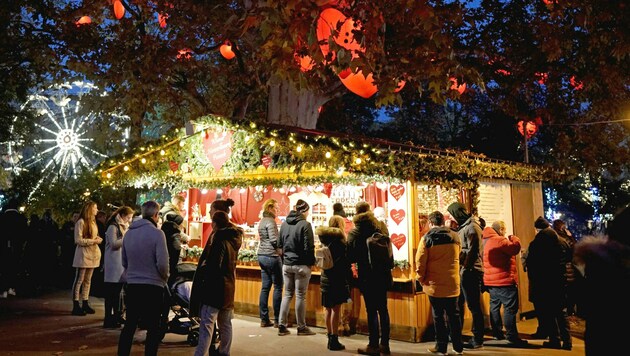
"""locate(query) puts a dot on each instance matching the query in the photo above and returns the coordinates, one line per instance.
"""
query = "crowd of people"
(458, 258)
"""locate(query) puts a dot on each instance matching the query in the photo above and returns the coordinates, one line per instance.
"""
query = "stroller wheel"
(193, 338)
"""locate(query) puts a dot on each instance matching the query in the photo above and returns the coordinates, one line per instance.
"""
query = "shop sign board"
(397, 224)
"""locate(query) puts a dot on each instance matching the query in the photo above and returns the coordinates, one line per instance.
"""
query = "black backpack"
(380, 253)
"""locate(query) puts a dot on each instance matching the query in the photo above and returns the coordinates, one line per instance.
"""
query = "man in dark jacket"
(298, 249)
(471, 269)
(145, 258)
(11, 247)
(373, 284)
(546, 267)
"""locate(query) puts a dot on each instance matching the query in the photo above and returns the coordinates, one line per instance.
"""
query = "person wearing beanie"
(546, 266)
(298, 250)
(471, 270)
(338, 210)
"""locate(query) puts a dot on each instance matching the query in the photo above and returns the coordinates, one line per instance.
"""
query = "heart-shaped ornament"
(398, 240)
(397, 191)
(397, 215)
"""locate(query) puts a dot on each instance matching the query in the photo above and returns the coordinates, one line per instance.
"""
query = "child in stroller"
(179, 302)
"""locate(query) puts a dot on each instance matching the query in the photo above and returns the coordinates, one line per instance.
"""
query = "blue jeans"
(209, 315)
(440, 306)
(296, 280)
(375, 298)
(271, 271)
(508, 297)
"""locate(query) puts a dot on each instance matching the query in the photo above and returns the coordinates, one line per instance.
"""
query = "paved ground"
(44, 326)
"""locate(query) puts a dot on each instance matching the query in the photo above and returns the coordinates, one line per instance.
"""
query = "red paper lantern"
(327, 22)
(459, 88)
(305, 62)
(542, 78)
(226, 50)
(185, 53)
(119, 9)
(162, 19)
(84, 20)
(358, 83)
(530, 127)
(401, 85)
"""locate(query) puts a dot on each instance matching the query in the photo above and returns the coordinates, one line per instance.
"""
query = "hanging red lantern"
(226, 50)
(327, 23)
(542, 77)
(576, 84)
(358, 83)
(162, 19)
(119, 9)
(530, 126)
(459, 88)
(401, 85)
(185, 53)
(550, 2)
(305, 62)
(84, 20)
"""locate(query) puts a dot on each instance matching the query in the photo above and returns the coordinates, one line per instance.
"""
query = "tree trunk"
(288, 105)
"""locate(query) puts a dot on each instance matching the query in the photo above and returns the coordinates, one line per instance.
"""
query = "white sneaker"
(11, 291)
(3, 295)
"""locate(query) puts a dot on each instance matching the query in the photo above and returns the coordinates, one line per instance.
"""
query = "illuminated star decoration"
(63, 150)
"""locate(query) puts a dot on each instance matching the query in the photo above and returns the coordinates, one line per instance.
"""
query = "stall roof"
(263, 154)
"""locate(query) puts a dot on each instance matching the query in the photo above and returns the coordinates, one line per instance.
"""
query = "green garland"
(365, 162)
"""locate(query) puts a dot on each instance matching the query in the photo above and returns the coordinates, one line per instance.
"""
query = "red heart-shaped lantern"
(358, 83)
(397, 191)
(397, 215)
(398, 240)
(459, 88)
(84, 20)
(328, 21)
(226, 50)
(119, 9)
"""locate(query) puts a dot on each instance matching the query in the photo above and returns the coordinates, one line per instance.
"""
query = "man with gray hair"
(501, 278)
(145, 258)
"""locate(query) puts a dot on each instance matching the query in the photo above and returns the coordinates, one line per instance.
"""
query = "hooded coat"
(499, 258)
(297, 241)
(470, 234)
(546, 268)
(437, 262)
(365, 225)
(87, 254)
(334, 281)
(215, 280)
(144, 254)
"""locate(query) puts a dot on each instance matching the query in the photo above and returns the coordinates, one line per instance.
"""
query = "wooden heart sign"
(397, 191)
(398, 240)
(218, 147)
(397, 215)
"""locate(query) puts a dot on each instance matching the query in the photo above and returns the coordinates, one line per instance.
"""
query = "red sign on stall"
(397, 191)
(218, 147)
(397, 215)
(266, 161)
(398, 240)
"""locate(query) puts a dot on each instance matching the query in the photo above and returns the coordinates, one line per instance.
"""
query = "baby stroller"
(179, 297)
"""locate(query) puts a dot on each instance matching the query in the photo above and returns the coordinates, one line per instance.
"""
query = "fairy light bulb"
(143, 160)
(299, 148)
(162, 152)
(272, 143)
(358, 160)
(109, 175)
(126, 168)
(328, 155)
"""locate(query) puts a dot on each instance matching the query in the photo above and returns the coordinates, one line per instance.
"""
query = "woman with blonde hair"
(334, 283)
(270, 264)
(87, 257)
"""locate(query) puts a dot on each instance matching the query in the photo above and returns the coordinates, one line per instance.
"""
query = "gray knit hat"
(541, 223)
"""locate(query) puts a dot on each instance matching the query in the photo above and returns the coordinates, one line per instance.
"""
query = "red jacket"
(499, 258)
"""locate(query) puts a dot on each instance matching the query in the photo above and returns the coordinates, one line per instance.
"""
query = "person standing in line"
(298, 251)
(605, 264)
(270, 264)
(145, 259)
(546, 269)
(372, 283)
(437, 268)
(117, 226)
(11, 247)
(334, 284)
(471, 270)
(572, 277)
(217, 282)
(338, 210)
(501, 278)
(87, 257)
(174, 207)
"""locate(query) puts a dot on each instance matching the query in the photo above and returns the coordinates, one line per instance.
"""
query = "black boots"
(86, 308)
(76, 309)
(334, 344)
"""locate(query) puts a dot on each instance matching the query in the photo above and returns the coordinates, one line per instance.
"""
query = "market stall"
(250, 163)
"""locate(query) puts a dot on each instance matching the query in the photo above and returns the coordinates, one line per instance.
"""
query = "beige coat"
(87, 253)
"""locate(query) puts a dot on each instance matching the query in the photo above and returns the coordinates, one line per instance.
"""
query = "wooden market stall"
(250, 163)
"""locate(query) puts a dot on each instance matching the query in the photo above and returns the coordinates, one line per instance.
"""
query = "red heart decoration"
(173, 165)
(266, 161)
(218, 147)
(328, 22)
(398, 240)
(397, 191)
(397, 215)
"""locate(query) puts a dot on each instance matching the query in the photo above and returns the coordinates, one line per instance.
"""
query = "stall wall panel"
(495, 203)
(527, 205)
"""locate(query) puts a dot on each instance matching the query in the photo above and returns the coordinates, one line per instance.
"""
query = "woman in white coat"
(87, 257)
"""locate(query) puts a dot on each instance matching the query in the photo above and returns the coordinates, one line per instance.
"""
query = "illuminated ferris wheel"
(65, 134)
